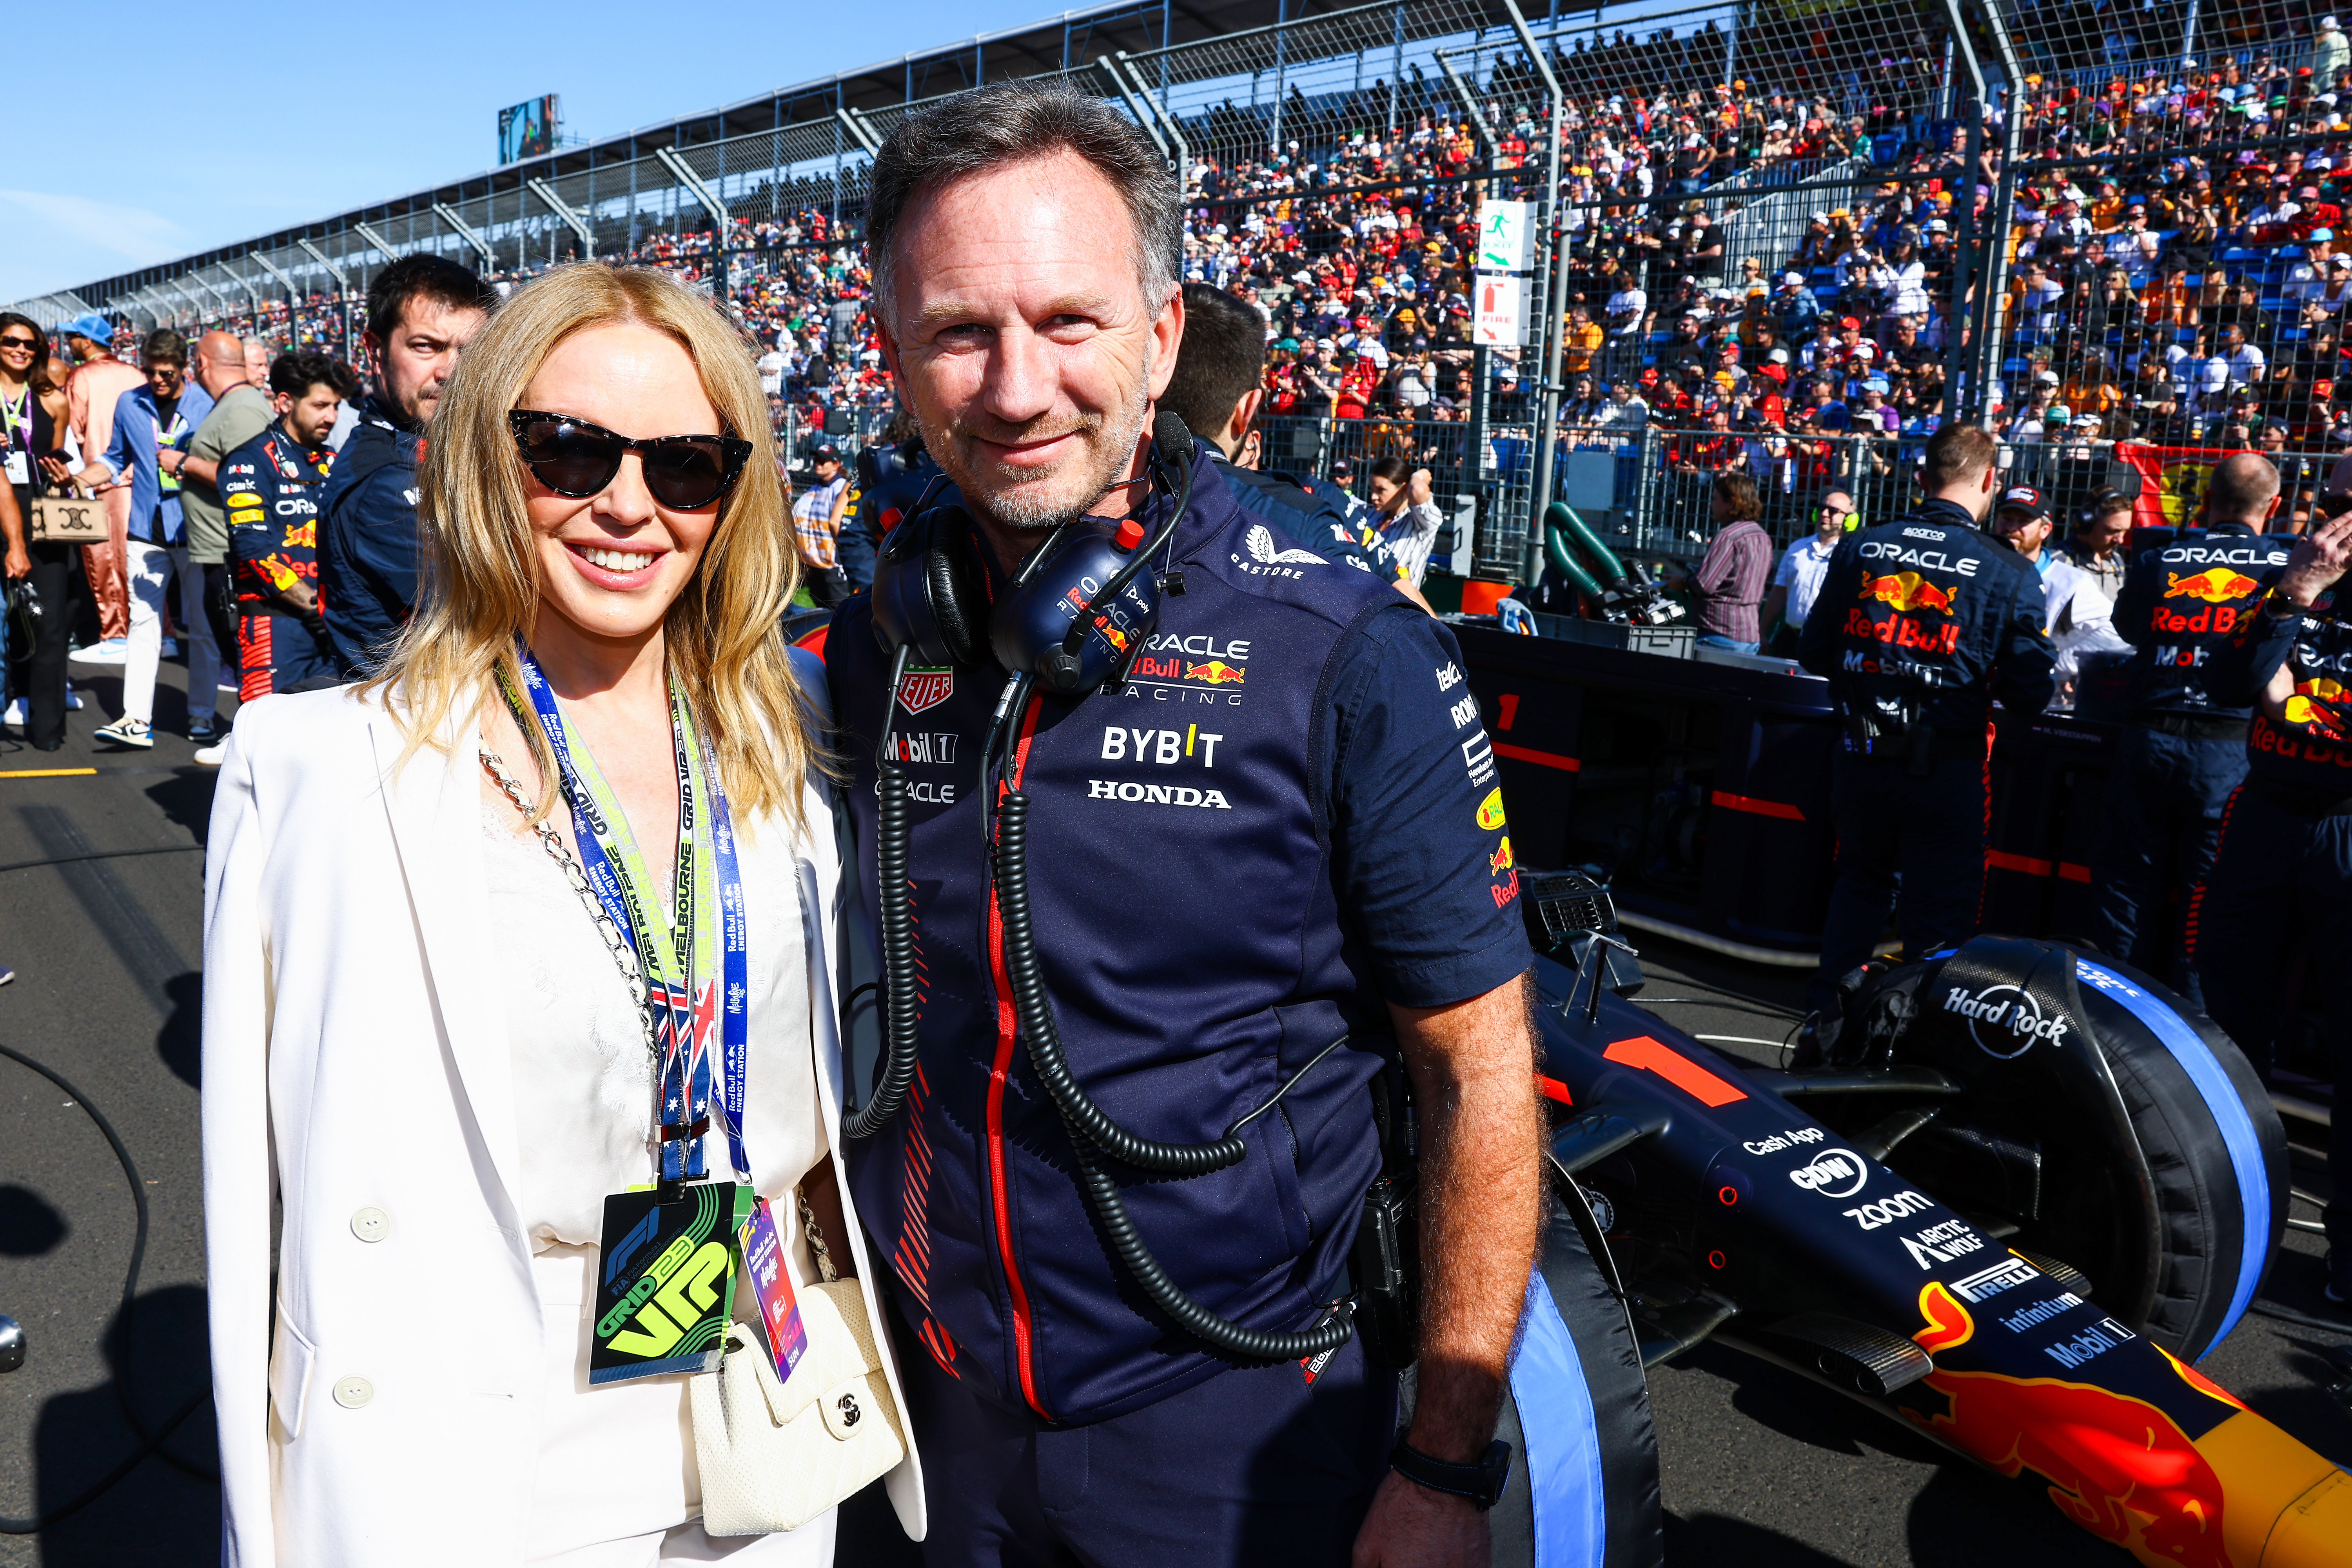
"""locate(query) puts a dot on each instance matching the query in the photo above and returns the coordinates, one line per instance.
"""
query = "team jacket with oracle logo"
(2309, 747)
(1926, 620)
(1288, 817)
(2182, 601)
(270, 487)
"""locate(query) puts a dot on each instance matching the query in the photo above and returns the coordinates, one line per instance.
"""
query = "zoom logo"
(2003, 1020)
(1832, 1172)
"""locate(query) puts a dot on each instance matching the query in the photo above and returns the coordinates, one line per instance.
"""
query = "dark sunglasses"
(20, 342)
(575, 458)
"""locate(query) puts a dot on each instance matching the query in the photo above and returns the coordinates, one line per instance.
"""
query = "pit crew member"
(2180, 754)
(271, 487)
(1282, 829)
(2281, 878)
(1921, 623)
(421, 310)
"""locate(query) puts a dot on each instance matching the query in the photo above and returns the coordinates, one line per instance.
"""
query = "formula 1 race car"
(2016, 1193)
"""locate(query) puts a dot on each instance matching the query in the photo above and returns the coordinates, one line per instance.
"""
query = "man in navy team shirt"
(1282, 832)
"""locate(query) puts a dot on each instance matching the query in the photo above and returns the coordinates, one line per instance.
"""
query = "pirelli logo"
(2006, 1275)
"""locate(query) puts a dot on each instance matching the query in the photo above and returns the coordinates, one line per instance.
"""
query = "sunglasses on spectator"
(20, 342)
(575, 458)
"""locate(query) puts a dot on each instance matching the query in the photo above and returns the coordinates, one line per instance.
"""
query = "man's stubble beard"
(1019, 507)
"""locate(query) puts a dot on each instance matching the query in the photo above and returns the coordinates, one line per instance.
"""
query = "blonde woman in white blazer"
(416, 1037)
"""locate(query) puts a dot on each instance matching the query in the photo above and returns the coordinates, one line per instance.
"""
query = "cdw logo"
(1832, 1172)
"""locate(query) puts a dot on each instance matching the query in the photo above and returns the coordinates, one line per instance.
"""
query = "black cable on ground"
(98, 854)
(149, 1443)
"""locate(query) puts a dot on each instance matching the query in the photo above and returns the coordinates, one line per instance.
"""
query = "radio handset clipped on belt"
(1075, 617)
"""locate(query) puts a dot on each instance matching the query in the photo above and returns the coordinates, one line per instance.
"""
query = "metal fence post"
(1551, 296)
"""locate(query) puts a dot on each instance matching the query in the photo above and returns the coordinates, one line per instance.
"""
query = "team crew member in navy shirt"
(1921, 623)
(1282, 831)
(2282, 878)
(2181, 752)
(421, 310)
(270, 487)
(1219, 383)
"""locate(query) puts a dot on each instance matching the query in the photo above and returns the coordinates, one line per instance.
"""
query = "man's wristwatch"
(2280, 606)
(1482, 1483)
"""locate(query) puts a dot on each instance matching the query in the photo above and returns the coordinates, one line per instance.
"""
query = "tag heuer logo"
(925, 688)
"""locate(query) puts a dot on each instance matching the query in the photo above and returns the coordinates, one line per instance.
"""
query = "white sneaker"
(127, 732)
(171, 649)
(73, 699)
(210, 756)
(15, 719)
(113, 650)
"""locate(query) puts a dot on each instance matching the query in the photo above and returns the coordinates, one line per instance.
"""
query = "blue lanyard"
(685, 1066)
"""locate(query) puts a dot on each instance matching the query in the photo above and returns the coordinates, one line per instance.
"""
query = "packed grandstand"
(1767, 238)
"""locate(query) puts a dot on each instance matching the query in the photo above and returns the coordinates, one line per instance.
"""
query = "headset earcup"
(951, 578)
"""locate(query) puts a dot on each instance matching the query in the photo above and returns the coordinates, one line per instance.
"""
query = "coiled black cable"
(1036, 1015)
(1089, 1130)
(150, 1442)
(1219, 1333)
(896, 910)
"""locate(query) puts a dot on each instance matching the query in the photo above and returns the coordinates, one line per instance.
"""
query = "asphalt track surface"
(1759, 1468)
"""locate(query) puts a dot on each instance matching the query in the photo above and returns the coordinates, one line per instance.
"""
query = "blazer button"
(350, 1393)
(371, 1224)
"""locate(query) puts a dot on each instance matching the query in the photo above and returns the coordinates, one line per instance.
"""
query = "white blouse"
(583, 1076)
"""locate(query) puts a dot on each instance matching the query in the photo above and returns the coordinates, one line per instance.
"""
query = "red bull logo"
(1908, 590)
(2312, 706)
(1216, 672)
(1902, 631)
(1118, 638)
(2214, 585)
(1500, 860)
(2118, 1467)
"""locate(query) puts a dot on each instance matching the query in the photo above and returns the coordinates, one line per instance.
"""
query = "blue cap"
(90, 325)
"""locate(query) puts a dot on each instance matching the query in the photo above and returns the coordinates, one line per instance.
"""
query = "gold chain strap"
(825, 1271)
(624, 955)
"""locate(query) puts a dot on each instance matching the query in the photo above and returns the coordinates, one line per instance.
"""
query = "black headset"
(1077, 612)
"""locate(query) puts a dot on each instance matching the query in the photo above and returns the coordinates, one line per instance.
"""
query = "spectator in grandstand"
(816, 522)
(1797, 582)
(421, 310)
(99, 382)
(146, 449)
(1729, 586)
(240, 412)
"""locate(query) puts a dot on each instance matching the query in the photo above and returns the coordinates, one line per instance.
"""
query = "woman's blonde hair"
(481, 590)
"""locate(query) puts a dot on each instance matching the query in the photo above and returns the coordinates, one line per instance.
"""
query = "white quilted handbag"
(775, 1455)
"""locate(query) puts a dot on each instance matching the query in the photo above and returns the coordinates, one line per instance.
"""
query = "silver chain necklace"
(624, 955)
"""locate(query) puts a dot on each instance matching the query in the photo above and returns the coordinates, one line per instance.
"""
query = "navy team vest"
(1189, 933)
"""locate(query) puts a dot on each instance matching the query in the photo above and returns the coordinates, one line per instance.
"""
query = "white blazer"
(356, 1062)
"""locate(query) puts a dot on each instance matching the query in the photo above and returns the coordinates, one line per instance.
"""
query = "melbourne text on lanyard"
(668, 1248)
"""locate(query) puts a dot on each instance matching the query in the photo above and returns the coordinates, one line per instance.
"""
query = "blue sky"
(269, 114)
